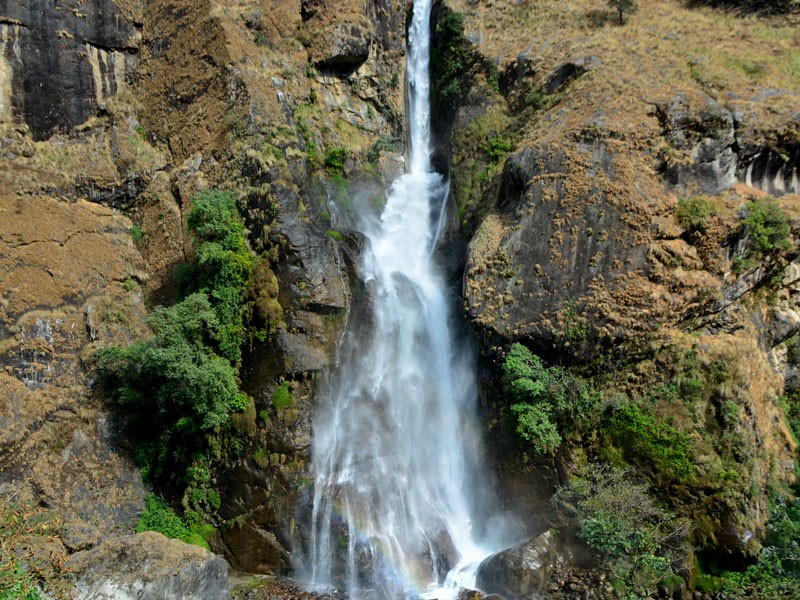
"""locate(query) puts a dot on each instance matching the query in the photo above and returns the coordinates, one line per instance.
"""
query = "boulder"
(524, 569)
(148, 566)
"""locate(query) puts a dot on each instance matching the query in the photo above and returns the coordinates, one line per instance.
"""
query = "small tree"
(622, 7)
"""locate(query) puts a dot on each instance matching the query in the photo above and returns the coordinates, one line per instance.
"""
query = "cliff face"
(114, 114)
(572, 152)
(572, 144)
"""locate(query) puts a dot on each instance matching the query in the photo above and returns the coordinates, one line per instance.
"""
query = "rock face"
(567, 185)
(524, 570)
(148, 566)
(59, 63)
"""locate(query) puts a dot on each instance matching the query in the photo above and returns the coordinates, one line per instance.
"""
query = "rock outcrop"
(524, 570)
(148, 566)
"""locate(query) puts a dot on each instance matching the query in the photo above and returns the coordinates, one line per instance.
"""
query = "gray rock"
(706, 138)
(148, 566)
(525, 569)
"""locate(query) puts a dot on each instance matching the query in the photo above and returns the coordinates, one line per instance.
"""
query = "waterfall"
(394, 444)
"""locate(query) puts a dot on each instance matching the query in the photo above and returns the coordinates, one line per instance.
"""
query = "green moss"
(282, 397)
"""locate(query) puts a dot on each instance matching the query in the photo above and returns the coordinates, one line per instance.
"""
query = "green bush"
(548, 401)
(693, 213)
(159, 517)
(282, 396)
(650, 442)
(174, 388)
(767, 227)
(496, 149)
(335, 159)
(638, 542)
(451, 59)
(223, 268)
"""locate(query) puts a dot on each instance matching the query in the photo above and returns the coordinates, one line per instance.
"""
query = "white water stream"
(395, 451)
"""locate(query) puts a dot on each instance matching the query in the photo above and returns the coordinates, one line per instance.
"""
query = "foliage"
(136, 233)
(767, 228)
(158, 516)
(622, 7)
(335, 159)
(27, 571)
(224, 265)
(693, 213)
(548, 401)
(639, 543)
(650, 442)
(451, 59)
(282, 396)
(496, 148)
(175, 389)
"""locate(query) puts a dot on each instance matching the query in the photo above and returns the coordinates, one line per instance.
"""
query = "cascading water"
(393, 447)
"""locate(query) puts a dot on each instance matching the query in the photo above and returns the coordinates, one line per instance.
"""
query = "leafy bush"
(640, 544)
(282, 396)
(650, 442)
(224, 265)
(174, 388)
(451, 59)
(549, 401)
(693, 213)
(767, 227)
(496, 148)
(334, 160)
(159, 517)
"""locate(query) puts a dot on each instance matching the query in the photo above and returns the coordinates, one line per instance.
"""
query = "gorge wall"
(573, 141)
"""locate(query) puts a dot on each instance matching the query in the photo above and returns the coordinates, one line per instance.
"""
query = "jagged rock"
(148, 566)
(524, 569)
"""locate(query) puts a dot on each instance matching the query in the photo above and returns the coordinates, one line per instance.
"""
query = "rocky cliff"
(573, 143)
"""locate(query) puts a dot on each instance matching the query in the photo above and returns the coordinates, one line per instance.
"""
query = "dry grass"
(751, 64)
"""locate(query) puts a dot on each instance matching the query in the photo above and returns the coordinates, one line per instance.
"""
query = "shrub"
(548, 401)
(159, 517)
(451, 59)
(335, 159)
(496, 149)
(767, 227)
(224, 265)
(282, 396)
(174, 388)
(649, 441)
(693, 213)
(638, 542)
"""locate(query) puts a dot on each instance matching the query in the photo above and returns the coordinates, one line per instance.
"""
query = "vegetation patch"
(549, 402)
(30, 566)
(159, 517)
(642, 545)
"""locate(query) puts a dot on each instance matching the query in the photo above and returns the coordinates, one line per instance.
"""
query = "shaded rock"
(148, 566)
(706, 143)
(253, 549)
(569, 71)
(64, 61)
(524, 569)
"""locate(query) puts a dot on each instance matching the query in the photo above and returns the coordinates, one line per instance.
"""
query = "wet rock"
(148, 566)
(525, 569)
(253, 549)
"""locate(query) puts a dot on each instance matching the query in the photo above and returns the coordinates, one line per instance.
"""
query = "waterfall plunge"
(393, 446)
